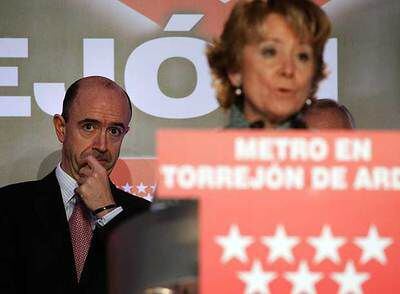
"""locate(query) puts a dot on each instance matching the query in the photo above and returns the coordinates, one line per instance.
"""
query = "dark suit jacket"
(35, 247)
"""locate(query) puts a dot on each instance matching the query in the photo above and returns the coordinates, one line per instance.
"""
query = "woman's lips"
(282, 89)
(285, 91)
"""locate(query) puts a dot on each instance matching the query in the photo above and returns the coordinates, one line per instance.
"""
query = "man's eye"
(304, 56)
(268, 52)
(88, 127)
(116, 131)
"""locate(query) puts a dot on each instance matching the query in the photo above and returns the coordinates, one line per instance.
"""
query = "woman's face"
(276, 73)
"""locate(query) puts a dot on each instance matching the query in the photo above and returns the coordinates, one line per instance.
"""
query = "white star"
(326, 245)
(127, 188)
(373, 246)
(350, 281)
(303, 280)
(256, 279)
(280, 245)
(234, 245)
(141, 188)
(149, 197)
(153, 187)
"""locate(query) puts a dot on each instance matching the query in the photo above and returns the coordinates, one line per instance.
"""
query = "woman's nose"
(287, 67)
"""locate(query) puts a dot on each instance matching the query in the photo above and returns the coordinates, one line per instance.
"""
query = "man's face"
(98, 121)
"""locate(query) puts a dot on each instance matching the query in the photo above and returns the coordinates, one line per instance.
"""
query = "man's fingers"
(85, 171)
(94, 187)
(81, 191)
(94, 163)
(81, 180)
(78, 191)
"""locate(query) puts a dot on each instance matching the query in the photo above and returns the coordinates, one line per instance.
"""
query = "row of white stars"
(141, 189)
(303, 280)
(281, 245)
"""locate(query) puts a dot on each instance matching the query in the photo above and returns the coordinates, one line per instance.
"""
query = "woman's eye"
(304, 56)
(268, 52)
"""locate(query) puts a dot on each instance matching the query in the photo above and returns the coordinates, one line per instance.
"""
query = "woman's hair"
(245, 25)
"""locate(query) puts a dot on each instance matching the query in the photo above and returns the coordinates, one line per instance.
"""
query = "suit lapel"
(50, 211)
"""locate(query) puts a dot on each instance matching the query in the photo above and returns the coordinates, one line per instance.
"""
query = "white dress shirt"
(67, 186)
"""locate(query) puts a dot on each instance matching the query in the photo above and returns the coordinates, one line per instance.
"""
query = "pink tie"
(81, 234)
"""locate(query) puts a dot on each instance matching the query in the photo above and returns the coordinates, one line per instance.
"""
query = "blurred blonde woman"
(268, 62)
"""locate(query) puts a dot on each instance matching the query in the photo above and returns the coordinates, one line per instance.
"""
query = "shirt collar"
(67, 184)
(238, 121)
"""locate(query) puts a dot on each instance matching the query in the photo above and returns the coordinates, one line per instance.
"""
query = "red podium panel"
(290, 212)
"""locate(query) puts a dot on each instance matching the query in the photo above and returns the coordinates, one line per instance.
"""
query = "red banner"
(290, 212)
(215, 11)
(136, 175)
(300, 244)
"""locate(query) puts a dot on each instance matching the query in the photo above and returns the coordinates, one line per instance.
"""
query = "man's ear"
(235, 78)
(59, 126)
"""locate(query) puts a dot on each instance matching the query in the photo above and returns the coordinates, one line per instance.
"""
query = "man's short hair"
(73, 91)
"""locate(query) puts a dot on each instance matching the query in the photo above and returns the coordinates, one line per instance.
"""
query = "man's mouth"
(102, 161)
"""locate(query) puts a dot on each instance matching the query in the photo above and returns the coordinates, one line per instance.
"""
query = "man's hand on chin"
(94, 186)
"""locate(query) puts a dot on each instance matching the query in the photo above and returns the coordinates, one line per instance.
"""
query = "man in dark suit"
(53, 231)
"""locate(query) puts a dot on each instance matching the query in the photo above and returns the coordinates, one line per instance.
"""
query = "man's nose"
(100, 141)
